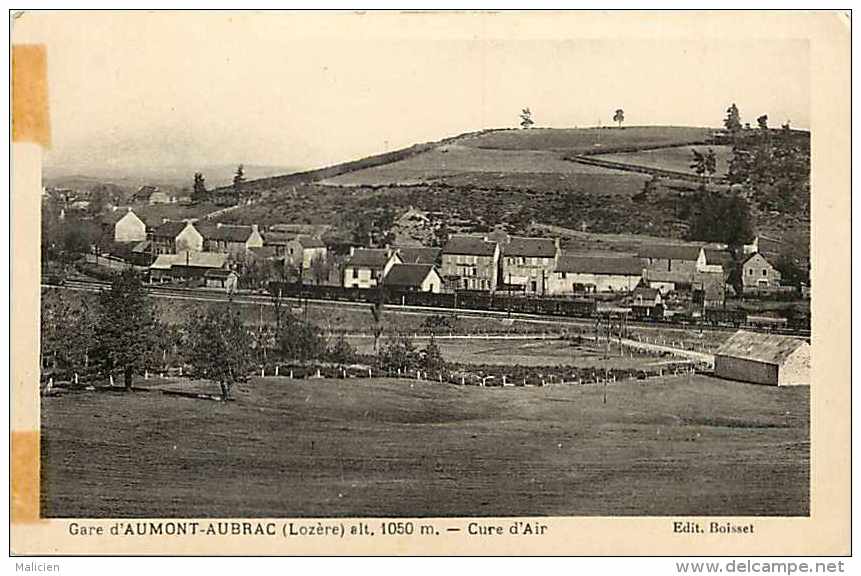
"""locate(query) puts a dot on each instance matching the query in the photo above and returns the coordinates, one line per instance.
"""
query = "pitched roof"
(309, 241)
(369, 258)
(669, 251)
(117, 215)
(646, 292)
(276, 238)
(227, 232)
(530, 247)
(191, 259)
(590, 264)
(754, 255)
(768, 348)
(419, 254)
(469, 245)
(169, 229)
(716, 256)
(667, 276)
(408, 274)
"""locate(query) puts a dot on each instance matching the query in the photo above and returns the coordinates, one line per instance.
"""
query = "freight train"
(577, 307)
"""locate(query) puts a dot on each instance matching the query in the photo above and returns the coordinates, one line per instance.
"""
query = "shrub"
(398, 354)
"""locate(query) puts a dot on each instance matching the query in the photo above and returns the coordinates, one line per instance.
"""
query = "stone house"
(470, 263)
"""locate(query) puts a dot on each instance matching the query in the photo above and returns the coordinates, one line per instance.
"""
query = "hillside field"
(336, 448)
(677, 158)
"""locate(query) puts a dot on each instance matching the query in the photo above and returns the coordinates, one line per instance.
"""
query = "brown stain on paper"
(25, 476)
(30, 116)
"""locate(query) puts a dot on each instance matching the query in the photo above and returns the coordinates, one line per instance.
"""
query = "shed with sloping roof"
(772, 359)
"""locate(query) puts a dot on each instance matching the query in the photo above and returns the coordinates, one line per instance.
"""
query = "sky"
(306, 90)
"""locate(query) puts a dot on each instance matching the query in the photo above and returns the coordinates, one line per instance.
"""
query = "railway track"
(216, 295)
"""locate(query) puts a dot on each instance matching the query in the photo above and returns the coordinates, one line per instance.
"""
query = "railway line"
(250, 298)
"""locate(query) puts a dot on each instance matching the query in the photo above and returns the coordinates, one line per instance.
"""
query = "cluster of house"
(498, 262)
(204, 250)
(494, 262)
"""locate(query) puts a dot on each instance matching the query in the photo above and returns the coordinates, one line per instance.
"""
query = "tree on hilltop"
(619, 117)
(199, 192)
(732, 122)
(239, 181)
(526, 120)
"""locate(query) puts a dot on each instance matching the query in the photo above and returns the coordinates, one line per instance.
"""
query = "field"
(677, 159)
(525, 352)
(325, 448)
(458, 160)
(582, 140)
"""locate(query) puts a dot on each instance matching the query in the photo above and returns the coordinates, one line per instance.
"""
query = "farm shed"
(764, 359)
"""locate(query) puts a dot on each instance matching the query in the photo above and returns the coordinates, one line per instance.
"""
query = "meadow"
(676, 158)
(676, 446)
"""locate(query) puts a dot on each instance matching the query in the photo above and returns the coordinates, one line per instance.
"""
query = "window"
(355, 273)
(764, 272)
(750, 271)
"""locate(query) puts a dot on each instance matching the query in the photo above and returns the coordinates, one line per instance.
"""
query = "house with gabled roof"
(414, 277)
(366, 267)
(470, 263)
(526, 262)
(124, 226)
(757, 273)
(772, 359)
(304, 249)
(173, 237)
(235, 240)
(679, 258)
(577, 273)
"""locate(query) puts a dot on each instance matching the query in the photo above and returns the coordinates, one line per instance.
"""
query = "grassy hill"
(518, 177)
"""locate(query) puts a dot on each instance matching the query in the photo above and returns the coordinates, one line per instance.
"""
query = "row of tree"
(122, 335)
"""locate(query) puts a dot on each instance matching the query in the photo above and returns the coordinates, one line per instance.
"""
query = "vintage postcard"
(441, 283)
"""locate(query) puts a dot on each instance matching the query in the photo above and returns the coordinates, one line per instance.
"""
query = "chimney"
(255, 229)
(352, 250)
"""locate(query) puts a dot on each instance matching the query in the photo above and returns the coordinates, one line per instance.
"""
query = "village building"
(415, 277)
(679, 258)
(470, 263)
(221, 278)
(757, 273)
(185, 265)
(153, 195)
(647, 302)
(302, 250)
(717, 260)
(759, 358)
(525, 264)
(366, 267)
(175, 237)
(419, 254)
(277, 241)
(578, 273)
(124, 226)
(232, 239)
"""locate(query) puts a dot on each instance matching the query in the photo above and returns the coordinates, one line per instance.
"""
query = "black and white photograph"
(382, 274)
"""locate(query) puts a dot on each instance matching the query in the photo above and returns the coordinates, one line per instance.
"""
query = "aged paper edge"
(824, 532)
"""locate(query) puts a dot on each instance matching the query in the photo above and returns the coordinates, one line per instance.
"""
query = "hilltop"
(583, 179)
